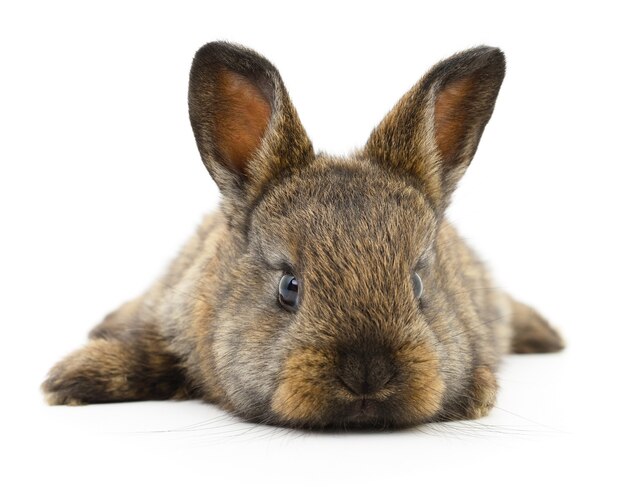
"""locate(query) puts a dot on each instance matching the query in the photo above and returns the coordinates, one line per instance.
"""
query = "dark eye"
(288, 292)
(418, 286)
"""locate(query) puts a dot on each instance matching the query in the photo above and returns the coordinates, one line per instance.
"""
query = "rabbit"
(325, 291)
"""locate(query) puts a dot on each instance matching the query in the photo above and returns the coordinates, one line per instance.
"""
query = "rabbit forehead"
(344, 209)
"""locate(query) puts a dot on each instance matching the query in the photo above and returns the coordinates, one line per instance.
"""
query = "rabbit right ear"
(246, 128)
(432, 133)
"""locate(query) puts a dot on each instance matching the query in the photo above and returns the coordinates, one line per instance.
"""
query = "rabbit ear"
(246, 128)
(433, 131)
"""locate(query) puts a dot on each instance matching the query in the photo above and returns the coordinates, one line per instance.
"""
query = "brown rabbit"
(325, 291)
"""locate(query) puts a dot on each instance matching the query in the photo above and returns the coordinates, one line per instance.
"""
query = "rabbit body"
(357, 237)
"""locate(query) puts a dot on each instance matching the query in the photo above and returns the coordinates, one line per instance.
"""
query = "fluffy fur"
(361, 349)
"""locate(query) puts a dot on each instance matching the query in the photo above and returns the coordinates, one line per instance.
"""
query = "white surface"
(101, 183)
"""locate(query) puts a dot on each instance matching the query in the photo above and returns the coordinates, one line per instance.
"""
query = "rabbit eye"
(418, 286)
(288, 292)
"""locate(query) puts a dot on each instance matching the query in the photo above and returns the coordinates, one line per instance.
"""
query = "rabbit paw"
(115, 371)
(94, 373)
(482, 393)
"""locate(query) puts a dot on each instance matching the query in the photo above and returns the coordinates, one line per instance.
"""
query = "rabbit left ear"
(246, 128)
(433, 131)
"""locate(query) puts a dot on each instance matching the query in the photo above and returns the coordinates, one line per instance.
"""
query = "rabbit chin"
(311, 396)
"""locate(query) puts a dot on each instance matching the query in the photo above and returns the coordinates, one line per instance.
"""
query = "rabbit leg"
(119, 363)
(531, 332)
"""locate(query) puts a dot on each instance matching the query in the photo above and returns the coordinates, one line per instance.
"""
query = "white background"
(100, 183)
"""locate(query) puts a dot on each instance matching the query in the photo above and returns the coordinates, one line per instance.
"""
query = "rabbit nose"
(364, 375)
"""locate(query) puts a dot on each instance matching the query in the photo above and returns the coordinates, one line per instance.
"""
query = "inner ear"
(452, 116)
(242, 114)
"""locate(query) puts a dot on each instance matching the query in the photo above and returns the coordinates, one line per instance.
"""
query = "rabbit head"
(332, 303)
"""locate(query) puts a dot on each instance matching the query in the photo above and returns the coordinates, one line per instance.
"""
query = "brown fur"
(243, 115)
(361, 349)
(451, 116)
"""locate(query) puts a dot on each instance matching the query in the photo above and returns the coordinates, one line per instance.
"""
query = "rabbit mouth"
(367, 413)
(359, 414)
(364, 411)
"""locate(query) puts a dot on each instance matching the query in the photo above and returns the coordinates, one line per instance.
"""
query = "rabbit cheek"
(302, 395)
(422, 390)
